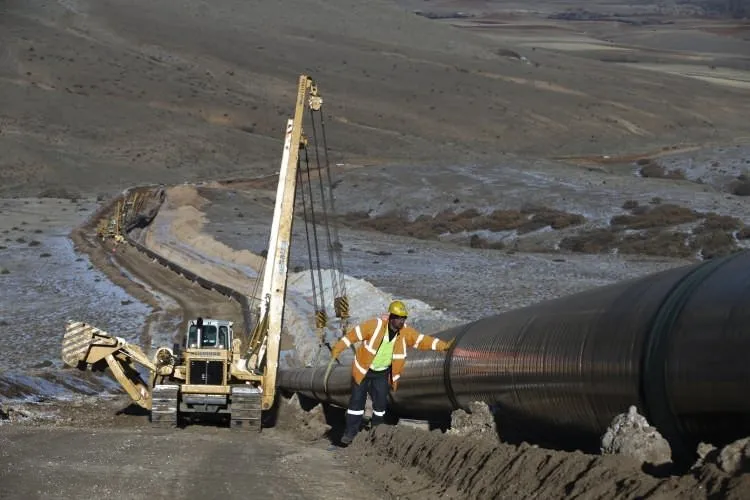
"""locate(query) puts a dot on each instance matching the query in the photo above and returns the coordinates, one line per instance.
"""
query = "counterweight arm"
(87, 346)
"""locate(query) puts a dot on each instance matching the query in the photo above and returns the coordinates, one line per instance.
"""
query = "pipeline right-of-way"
(675, 344)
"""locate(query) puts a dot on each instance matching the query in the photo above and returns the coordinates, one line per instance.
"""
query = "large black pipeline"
(675, 344)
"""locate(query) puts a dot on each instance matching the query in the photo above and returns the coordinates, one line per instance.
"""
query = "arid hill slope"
(97, 95)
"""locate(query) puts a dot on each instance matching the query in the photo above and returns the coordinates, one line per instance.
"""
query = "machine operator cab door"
(209, 334)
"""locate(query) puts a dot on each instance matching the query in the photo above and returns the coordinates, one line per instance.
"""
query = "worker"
(378, 362)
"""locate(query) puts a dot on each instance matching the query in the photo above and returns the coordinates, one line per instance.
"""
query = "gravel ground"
(47, 283)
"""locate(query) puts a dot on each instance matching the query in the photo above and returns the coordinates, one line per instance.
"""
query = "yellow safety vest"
(382, 360)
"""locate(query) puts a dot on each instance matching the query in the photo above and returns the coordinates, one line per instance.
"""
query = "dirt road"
(104, 455)
(173, 299)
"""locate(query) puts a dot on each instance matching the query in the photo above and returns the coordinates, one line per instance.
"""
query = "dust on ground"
(98, 447)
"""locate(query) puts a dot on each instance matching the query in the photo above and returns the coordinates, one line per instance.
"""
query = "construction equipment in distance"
(211, 372)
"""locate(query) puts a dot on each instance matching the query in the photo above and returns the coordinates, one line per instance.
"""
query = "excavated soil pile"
(308, 425)
(176, 234)
(630, 434)
(477, 423)
(417, 464)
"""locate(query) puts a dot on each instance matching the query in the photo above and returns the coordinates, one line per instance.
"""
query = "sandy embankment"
(176, 234)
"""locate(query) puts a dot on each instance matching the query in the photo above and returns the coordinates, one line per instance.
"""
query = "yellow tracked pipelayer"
(211, 372)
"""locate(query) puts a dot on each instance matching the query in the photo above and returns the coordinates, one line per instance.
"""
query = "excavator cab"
(209, 334)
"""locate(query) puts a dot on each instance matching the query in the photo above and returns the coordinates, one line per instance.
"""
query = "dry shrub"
(556, 219)
(743, 233)
(421, 228)
(650, 168)
(716, 222)
(740, 187)
(504, 220)
(508, 53)
(467, 220)
(659, 216)
(595, 241)
(444, 222)
(477, 241)
(715, 243)
(59, 192)
(653, 170)
(426, 227)
(470, 213)
(659, 243)
(677, 173)
(387, 223)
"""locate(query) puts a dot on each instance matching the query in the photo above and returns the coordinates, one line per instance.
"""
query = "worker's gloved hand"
(328, 374)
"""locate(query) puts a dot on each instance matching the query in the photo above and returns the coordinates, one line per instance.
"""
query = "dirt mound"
(308, 425)
(185, 195)
(478, 423)
(409, 460)
(630, 434)
(735, 457)
(176, 234)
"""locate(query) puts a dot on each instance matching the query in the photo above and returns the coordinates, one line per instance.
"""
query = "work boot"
(346, 439)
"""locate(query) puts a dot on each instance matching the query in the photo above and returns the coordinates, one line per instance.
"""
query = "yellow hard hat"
(398, 308)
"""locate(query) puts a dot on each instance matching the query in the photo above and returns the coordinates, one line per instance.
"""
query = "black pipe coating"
(675, 344)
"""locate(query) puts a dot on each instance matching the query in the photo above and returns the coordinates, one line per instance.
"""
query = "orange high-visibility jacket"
(371, 334)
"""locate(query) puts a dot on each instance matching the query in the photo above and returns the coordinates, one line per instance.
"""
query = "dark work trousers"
(376, 384)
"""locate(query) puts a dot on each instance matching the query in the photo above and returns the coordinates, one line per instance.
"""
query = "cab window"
(192, 336)
(209, 336)
(223, 338)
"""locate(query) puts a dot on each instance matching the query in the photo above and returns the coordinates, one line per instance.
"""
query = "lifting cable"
(333, 244)
(331, 264)
(341, 301)
(323, 214)
(320, 314)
